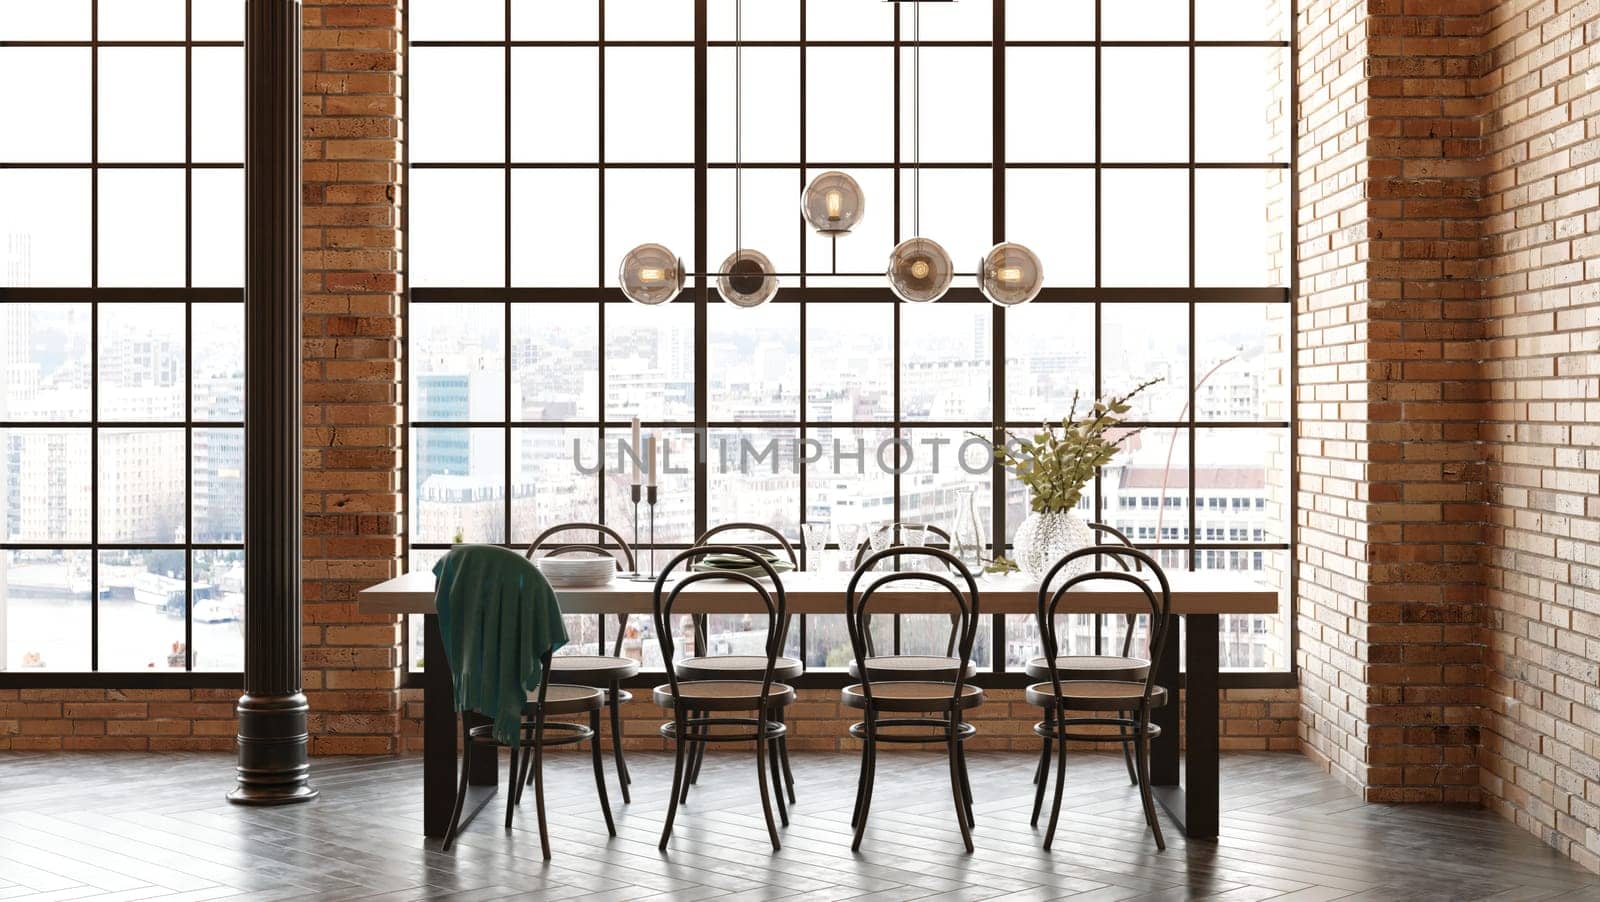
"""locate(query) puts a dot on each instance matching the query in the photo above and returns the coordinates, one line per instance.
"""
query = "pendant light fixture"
(1010, 275)
(833, 204)
(651, 275)
(747, 278)
(920, 269)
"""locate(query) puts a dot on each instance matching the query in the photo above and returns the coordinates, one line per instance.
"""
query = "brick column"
(352, 533)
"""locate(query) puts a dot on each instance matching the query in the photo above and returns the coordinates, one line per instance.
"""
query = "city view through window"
(834, 402)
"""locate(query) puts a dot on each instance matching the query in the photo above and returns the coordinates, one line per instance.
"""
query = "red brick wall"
(1541, 717)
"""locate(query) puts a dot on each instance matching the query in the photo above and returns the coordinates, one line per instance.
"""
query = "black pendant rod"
(273, 767)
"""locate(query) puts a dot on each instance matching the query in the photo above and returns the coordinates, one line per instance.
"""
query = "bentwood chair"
(704, 666)
(536, 732)
(717, 707)
(934, 700)
(1123, 666)
(897, 666)
(605, 672)
(1100, 710)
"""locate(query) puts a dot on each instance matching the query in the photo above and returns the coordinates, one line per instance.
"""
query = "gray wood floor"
(156, 826)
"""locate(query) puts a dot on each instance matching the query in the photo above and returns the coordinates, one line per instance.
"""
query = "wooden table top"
(1200, 592)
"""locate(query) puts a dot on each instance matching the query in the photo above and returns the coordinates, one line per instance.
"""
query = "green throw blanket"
(499, 618)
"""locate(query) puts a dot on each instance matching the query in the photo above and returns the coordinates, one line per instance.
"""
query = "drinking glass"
(849, 541)
(913, 537)
(815, 537)
(881, 538)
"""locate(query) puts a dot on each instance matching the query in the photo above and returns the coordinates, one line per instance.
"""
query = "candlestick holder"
(650, 496)
(634, 573)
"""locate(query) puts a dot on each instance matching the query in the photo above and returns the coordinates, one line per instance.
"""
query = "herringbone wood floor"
(156, 826)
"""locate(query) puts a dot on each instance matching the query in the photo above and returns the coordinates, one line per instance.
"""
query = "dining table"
(1199, 599)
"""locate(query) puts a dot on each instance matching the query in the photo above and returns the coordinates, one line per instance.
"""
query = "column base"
(273, 767)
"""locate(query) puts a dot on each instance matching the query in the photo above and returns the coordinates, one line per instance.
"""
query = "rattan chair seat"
(593, 670)
(911, 696)
(1094, 695)
(736, 667)
(722, 695)
(1090, 667)
(933, 668)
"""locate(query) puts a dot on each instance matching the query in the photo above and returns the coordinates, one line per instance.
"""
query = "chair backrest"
(964, 596)
(560, 548)
(772, 599)
(1160, 602)
(897, 537)
(788, 549)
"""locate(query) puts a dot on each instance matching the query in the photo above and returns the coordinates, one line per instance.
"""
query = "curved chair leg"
(1127, 751)
(677, 779)
(1043, 770)
(538, 783)
(861, 785)
(869, 770)
(511, 778)
(966, 783)
(957, 779)
(520, 779)
(1061, 782)
(1042, 779)
(600, 771)
(783, 756)
(761, 778)
(697, 757)
(623, 778)
(461, 790)
(777, 780)
(1143, 741)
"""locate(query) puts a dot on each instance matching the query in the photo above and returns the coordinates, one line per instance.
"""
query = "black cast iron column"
(273, 767)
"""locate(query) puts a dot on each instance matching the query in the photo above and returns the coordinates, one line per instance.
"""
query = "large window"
(121, 417)
(1140, 150)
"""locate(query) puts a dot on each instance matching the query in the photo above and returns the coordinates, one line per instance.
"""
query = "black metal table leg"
(439, 739)
(1195, 805)
(1164, 750)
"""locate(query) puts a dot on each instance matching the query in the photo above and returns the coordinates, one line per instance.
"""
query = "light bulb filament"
(651, 274)
(920, 269)
(835, 203)
(1011, 274)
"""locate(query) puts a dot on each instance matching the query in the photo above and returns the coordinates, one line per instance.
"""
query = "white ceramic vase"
(1047, 536)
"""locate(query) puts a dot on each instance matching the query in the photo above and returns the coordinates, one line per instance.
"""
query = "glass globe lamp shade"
(920, 271)
(1010, 274)
(747, 279)
(651, 275)
(833, 203)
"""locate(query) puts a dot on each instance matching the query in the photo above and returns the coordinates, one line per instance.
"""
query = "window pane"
(218, 20)
(1050, 104)
(146, 20)
(1146, 489)
(755, 478)
(771, 104)
(218, 232)
(1049, 360)
(539, 20)
(48, 122)
(141, 104)
(1151, 20)
(849, 103)
(767, 20)
(142, 367)
(956, 212)
(219, 610)
(46, 362)
(45, 603)
(770, 201)
(846, 486)
(650, 362)
(58, 20)
(1241, 483)
(650, 20)
(675, 458)
(865, 251)
(46, 485)
(1242, 361)
(1144, 104)
(1240, 94)
(218, 480)
(648, 206)
(1144, 231)
(143, 595)
(945, 362)
(1140, 342)
(555, 362)
(1052, 212)
(953, 78)
(218, 361)
(555, 481)
(459, 20)
(939, 465)
(850, 362)
(458, 362)
(458, 483)
(1241, 222)
(555, 228)
(648, 102)
(947, 21)
(141, 227)
(45, 221)
(141, 485)
(457, 104)
(457, 227)
(753, 362)
(848, 20)
(557, 126)
(1049, 20)
(218, 86)
(1230, 20)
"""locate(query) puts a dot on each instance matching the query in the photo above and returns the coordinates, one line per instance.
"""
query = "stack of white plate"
(570, 571)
